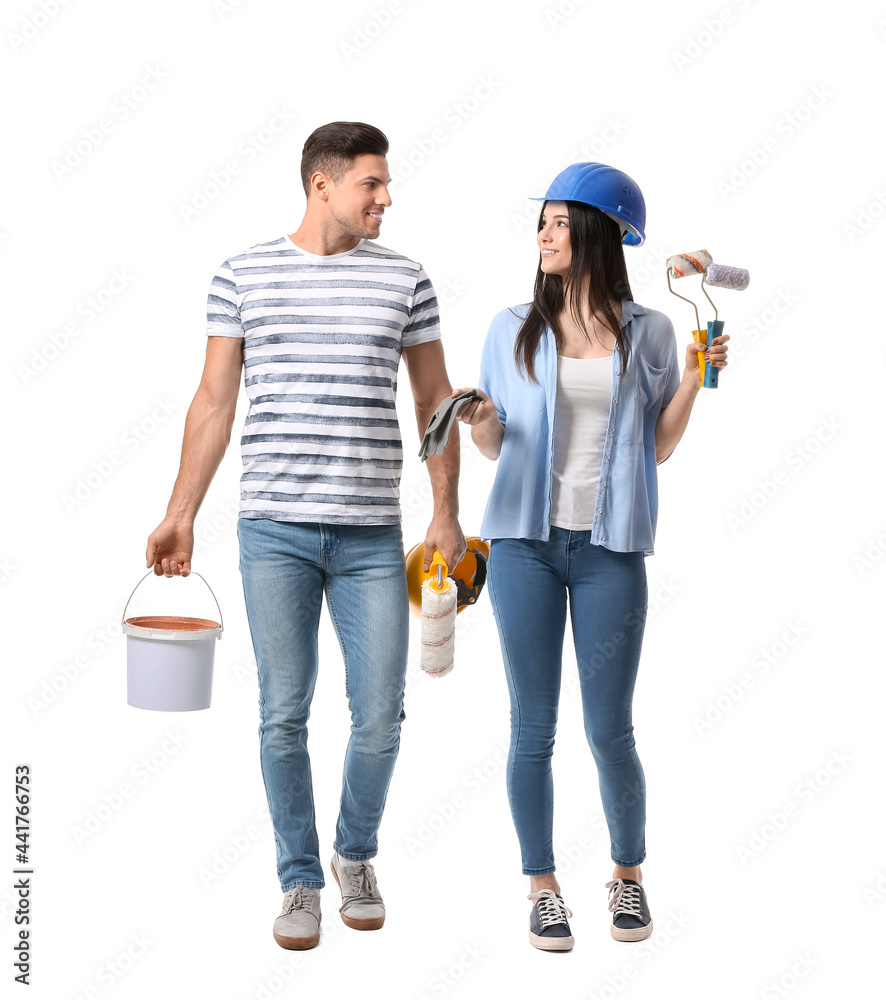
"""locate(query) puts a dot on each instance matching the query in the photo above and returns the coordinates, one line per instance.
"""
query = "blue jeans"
(286, 567)
(528, 584)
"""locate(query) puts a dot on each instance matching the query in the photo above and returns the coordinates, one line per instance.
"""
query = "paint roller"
(680, 266)
(438, 611)
(719, 276)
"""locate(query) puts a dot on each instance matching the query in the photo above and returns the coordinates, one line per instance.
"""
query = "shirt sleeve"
(222, 306)
(424, 317)
(489, 382)
(671, 361)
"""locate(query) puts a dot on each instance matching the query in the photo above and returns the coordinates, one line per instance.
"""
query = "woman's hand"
(487, 431)
(715, 355)
(478, 410)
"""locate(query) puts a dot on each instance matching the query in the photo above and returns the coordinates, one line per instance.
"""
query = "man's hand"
(445, 536)
(170, 547)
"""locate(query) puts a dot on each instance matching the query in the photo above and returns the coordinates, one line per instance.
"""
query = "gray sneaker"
(298, 926)
(361, 903)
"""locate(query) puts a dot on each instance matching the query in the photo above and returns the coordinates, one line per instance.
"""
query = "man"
(319, 319)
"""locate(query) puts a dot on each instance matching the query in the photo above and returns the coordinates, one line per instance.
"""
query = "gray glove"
(437, 435)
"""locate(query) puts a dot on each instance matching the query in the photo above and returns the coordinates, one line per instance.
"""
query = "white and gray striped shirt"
(322, 337)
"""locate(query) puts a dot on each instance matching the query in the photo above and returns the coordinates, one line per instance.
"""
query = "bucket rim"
(139, 627)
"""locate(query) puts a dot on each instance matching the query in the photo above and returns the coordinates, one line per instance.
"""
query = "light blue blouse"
(626, 508)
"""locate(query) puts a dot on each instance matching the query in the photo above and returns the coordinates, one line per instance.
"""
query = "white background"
(754, 131)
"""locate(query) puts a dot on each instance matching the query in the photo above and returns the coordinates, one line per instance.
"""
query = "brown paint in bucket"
(172, 623)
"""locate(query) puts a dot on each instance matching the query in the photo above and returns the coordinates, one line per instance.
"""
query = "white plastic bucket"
(169, 659)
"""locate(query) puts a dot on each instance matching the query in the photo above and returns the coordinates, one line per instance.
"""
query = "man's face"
(358, 203)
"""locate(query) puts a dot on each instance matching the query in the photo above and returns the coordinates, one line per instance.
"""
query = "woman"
(580, 398)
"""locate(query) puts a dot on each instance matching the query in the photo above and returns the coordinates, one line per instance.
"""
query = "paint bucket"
(169, 658)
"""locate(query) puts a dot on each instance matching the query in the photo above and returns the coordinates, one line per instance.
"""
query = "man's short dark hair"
(333, 148)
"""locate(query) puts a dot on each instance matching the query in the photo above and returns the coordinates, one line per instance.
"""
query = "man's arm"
(430, 386)
(207, 434)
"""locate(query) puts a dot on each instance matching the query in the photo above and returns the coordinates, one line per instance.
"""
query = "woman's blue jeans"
(528, 582)
(286, 567)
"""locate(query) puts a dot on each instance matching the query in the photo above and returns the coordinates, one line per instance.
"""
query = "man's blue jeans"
(528, 584)
(286, 568)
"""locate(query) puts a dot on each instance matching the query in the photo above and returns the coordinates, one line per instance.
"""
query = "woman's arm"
(673, 419)
(487, 430)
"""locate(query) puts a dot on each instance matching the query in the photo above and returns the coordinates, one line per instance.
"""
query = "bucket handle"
(191, 573)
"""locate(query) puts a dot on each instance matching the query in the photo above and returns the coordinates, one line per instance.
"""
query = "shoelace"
(551, 909)
(624, 898)
(361, 879)
(298, 898)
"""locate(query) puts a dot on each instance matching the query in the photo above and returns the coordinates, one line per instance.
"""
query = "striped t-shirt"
(322, 337)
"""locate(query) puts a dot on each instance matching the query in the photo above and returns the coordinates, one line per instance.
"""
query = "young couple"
(581, 396)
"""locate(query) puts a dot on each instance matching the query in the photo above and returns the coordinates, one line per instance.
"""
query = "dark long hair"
(597, 254)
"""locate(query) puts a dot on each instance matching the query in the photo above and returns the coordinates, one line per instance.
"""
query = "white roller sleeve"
(695, 262)
(437, 629)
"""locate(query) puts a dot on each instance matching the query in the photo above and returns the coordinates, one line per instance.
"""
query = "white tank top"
(584, 389)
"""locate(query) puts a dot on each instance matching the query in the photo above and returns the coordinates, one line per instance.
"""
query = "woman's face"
(553, 239)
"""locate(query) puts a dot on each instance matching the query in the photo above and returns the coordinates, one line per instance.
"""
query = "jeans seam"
(507, 665)
(341, 636)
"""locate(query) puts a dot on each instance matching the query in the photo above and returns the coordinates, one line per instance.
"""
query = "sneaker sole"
(299, 944)
(551, 943)
(359, 923)
(631, 933)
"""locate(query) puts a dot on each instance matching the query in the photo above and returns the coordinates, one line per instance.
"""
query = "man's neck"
(322, 239)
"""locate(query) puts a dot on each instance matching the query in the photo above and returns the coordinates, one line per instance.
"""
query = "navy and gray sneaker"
(548, 927)
(631, 920)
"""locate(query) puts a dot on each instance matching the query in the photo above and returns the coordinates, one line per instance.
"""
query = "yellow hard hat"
(469, 575)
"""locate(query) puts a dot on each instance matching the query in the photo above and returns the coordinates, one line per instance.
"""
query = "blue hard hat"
(608, 189)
